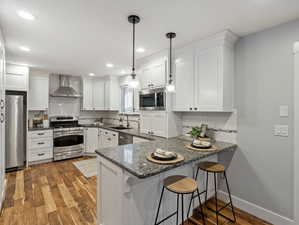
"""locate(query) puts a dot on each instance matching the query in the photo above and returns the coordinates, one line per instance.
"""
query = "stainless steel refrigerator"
(15, 128)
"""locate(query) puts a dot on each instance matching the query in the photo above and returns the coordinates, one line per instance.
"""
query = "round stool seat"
(180, 184)
(211, 167)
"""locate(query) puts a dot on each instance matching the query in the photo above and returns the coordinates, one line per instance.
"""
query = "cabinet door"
(91, 139)
(145, 77)
(87, 100)
(159, 122)
(158, 73)
(38, 92)
(16, 77)
(184, 79)
(98, 94)
(112, 94)
(145, 123)
(208, 78)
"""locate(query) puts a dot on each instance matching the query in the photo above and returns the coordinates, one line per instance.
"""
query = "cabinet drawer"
(40, 134)
(41, 154)
(40, 143)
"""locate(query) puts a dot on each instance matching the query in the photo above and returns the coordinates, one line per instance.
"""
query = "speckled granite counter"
(131, 131)
(132, 157)
(39, 128)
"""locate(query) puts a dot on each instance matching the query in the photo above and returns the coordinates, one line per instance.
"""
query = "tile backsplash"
(222, 126)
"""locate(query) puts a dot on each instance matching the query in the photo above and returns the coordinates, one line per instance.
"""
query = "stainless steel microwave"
(152, 99)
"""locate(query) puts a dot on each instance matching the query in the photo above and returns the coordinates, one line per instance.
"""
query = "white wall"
(262, 169)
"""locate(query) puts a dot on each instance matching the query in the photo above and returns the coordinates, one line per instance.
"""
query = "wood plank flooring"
(57, 193)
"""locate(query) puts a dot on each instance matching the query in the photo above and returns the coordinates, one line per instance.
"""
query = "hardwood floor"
(57, 193)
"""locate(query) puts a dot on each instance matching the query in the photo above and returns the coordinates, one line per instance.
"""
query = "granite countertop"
(39, 128)
(132, 157)
(131, 131)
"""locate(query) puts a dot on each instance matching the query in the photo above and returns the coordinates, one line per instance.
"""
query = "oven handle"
(68, 153)
(66, 135)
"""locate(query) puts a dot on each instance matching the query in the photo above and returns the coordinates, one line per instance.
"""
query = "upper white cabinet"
(98, 94)
(101, 94)
(112, 94)
(16, 77)
(38, 91)
(204, 74)
(152, 70)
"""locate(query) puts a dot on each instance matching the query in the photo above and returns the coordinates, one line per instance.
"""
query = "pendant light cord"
(133, 66)
(170, 61)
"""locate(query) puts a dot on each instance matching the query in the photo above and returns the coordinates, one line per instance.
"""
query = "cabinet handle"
(41, 134)
(195, 108)
(190, 108)
(2, 104)
(41, 154)
(109, 139)
(2, 118)
(41, 143)
(114, 135)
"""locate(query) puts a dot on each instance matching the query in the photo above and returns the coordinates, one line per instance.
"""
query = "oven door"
(68, 142)
(147, 100)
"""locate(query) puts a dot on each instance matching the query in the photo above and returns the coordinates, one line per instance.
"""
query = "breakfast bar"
(129, 186)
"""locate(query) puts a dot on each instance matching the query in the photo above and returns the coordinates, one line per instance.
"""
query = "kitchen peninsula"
(129, 186)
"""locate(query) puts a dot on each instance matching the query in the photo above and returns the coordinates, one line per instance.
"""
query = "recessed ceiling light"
(91, 74)
(140, 50)
(25, 15)
(24, 49)
(109, 65)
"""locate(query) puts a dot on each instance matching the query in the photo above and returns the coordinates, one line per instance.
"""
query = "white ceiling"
(80, 36)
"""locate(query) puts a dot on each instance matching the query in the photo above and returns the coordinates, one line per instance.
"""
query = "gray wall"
(262, 169)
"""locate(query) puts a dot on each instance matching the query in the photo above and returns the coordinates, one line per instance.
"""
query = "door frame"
(296, 133)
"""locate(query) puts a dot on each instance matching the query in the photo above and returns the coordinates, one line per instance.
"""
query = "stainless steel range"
(68, 137)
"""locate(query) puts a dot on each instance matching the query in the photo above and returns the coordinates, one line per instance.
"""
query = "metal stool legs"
(177, 211)
(218, 210)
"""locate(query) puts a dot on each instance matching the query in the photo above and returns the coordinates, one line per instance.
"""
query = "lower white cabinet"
(40, 145)
(91, 139)
(108, 138)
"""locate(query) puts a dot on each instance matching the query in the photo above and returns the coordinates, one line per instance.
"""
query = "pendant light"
(133, 82)
(170, 86)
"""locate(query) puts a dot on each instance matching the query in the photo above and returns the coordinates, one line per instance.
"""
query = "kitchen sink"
(120, 128)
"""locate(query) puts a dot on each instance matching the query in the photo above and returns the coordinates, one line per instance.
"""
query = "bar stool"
(180, 185)
(215, 168)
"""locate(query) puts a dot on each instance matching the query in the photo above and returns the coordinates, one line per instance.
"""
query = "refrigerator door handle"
(2, 118)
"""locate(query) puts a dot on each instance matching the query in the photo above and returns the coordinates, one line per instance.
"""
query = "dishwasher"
(125, 139)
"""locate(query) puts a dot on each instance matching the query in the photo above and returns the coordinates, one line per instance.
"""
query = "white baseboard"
(257, 211)
(2, 197)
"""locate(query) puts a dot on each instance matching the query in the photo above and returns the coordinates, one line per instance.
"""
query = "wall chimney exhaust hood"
(65, 90)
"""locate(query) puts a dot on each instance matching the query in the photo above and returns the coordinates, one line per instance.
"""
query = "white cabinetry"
(87, 88)
(204, 75)
(16, 77)
(101, 94)
(91, 139)
(98, 94)
(40, 145)
(108, 138)
(153, 70)
(112, 94)
(38, 91)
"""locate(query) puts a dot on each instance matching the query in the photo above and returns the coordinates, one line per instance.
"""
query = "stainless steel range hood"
(65, 90)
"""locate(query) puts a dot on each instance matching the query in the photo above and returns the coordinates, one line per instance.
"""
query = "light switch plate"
(284, 111)
(281, 130)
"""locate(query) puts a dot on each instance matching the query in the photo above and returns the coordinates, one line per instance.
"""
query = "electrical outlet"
(281, 130)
